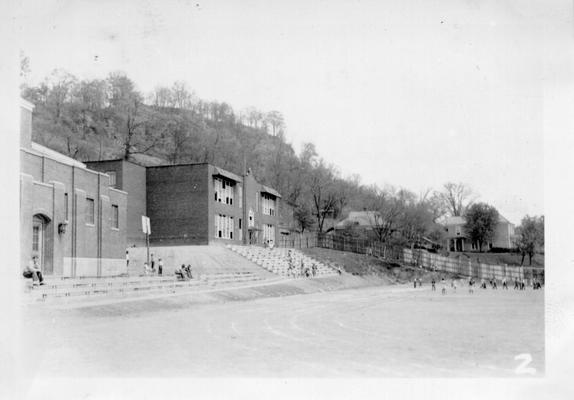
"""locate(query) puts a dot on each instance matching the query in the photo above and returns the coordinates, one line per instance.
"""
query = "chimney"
(26, 109)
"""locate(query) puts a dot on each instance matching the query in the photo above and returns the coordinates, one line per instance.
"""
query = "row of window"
(91, 215)
(267, 204)
(268, 232)
(224, 226)
(224, 190)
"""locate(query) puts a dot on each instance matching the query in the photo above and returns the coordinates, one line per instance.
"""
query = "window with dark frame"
(115, 216)
(90, 214)
(66, 206)
(112, 175)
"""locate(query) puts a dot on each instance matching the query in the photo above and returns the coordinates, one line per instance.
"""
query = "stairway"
(86, 289)
(278, 260)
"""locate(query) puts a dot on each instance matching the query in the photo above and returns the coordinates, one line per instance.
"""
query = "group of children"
(149, 269)
(303, 270)
(183, 273)
(518, 285)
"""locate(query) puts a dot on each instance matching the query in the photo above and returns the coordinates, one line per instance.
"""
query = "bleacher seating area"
(212, 266)
(130, 286)
(278, 260)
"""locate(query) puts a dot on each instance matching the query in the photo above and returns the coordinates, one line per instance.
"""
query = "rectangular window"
(66, 206)
(268, 232)
(267, 204)
(224, 190)
(224, 226)
(36, 238)
(115, 216)
(90, 208)
(112, 175)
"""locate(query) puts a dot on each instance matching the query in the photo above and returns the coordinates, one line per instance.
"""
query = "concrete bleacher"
(211, 266)
(278, 260)
(130, 286)
(203, 260)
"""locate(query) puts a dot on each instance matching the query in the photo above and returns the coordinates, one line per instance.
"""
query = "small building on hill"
(457, 240)
(70, 216)
(362, 220)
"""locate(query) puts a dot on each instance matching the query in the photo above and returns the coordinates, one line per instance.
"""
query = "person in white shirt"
(159, 267)
(33, 270)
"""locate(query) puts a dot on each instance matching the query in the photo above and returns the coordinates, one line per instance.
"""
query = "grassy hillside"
(368, 266)
(501, 258)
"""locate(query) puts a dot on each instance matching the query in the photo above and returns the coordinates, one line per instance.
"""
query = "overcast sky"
(409, 93)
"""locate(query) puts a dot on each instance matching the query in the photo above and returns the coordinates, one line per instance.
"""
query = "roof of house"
(359, 218)
(457, 220)
(270, 190)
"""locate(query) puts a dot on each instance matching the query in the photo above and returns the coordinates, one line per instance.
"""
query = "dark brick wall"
(134, 182)
(177, 204)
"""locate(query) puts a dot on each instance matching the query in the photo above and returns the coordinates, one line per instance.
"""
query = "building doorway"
(41, 243)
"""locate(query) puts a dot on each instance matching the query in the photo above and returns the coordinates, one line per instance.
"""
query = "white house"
(456, 239)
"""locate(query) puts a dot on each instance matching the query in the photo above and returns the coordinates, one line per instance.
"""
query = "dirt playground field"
(392, 331)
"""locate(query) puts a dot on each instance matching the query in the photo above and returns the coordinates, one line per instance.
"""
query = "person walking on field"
(443, 284)
(159, 267)
(433, 285)
(504, 285)
(470, 283)
(127, 258)
(152, 261)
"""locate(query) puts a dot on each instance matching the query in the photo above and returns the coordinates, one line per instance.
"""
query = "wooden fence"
(461, 265)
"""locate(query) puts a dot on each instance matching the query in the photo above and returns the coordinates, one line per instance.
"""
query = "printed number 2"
(523, 367)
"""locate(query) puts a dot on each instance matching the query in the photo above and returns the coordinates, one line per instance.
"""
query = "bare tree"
(455, 198)
(275, 120)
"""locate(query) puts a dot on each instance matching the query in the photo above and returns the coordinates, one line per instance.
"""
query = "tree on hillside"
(60, 86)
(303, 217)
(181, 96)
(454, 199)
(24, 66)
(320, 182)
(275, 120)
(132, 128)
(387, 210)
(530, 238)
(481, 221)
(161, 97)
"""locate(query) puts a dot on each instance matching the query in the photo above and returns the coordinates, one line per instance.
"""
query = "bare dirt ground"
(391, 331)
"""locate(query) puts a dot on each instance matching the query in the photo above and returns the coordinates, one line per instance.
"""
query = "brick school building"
(194, 204)
(70, 216)
(79, 217)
